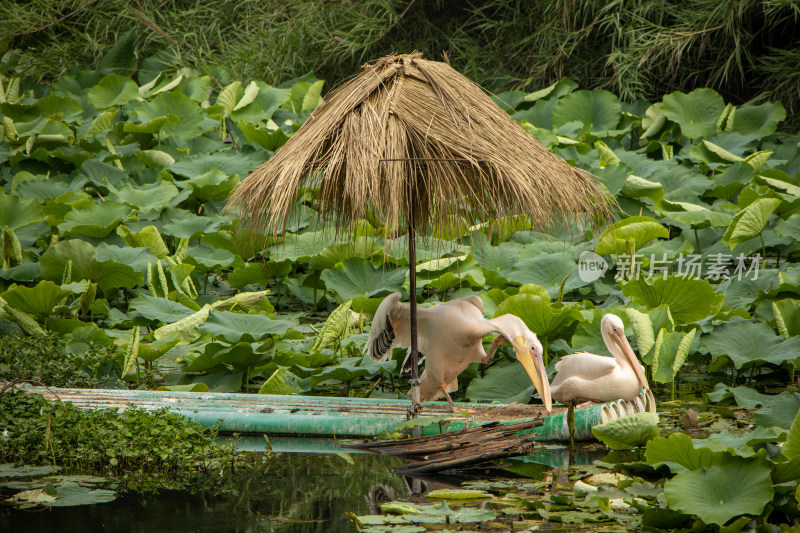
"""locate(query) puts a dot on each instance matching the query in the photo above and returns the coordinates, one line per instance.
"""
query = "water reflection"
(309, 491)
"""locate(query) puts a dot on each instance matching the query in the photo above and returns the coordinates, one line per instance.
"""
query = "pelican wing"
(454, 314)
(390, 326)
(474, 300)
(583, 365)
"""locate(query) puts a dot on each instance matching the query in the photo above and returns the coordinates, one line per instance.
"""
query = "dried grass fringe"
(409, 135)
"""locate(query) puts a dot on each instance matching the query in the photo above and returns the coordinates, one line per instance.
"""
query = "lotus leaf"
(742, 445)
(692, 215)
(780, 411)
(540, 316)
(148, 237)
(630, 234)
(497, 259)
(209, 258)
(696, 112)
(628, 432)
(212, 185)
(43, 188)
(351, 368)
(744, 396)
(185, 328)
(258, 273)
(670, 352)
(689, 300)
(96, 220)
(113, 90)
(367, 306)
(240, 355)
(98, 172)
(281, 382)
(357, 277)
(135, 257)
(364, 247)
(269, 140)
(185, 225)
(102, 122)
(153, 127)
(154, 158)
(780, 180)
(221, 381)
(681, 454)
(636, 187)
(82, 257)
(180, 275)
(44, 130)
(750, 221)
(760, 120)
(309, 295)
(10, 470)
(57, 106)
(427, 249)
(16, 212)
(549, 271)
(302, 246)
(235, 327)
(682, 184)
(263, 104)
(159, 309)
(716, 493)
(39, 300)
(153, 197)
(643, 329)
(167, 104)
(505, 383)
(750, 342)
(336, 326)
(230, 163)
(596, 111)
(743, 293)
(787, 317)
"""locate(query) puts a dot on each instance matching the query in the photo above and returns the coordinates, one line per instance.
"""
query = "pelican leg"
(453, 407)
(571, 424)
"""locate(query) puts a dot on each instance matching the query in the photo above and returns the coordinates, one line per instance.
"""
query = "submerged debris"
(449, 451)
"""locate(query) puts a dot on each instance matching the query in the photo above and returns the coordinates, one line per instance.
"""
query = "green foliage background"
(118, 262)
(641, 49)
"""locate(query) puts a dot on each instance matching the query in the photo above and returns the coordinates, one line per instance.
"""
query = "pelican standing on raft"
(449, 336)
(586, 376)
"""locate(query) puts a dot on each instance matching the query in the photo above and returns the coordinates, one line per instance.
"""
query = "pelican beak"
(534, 366)
(625, 346)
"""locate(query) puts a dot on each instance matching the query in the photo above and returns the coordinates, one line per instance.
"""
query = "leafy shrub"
(145, 449)
(44, 359)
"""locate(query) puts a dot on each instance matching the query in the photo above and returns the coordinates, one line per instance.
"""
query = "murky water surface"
(307, 488)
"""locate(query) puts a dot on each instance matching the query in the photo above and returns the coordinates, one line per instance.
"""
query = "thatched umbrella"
(413, 141)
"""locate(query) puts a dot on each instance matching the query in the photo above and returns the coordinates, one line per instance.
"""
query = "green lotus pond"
(121, 269)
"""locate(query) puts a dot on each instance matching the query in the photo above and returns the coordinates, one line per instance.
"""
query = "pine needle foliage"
(638, 49)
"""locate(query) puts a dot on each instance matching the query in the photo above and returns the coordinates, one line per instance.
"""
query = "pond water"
(308, 487)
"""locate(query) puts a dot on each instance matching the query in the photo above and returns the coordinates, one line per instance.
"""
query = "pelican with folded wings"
(449, 335)
(586, 376)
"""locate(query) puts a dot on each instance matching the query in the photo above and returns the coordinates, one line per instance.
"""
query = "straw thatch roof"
(408, 133)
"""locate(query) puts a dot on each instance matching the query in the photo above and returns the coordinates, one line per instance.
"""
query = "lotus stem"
(697, 241)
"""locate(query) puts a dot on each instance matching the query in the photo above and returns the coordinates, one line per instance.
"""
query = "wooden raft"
(448, 451)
